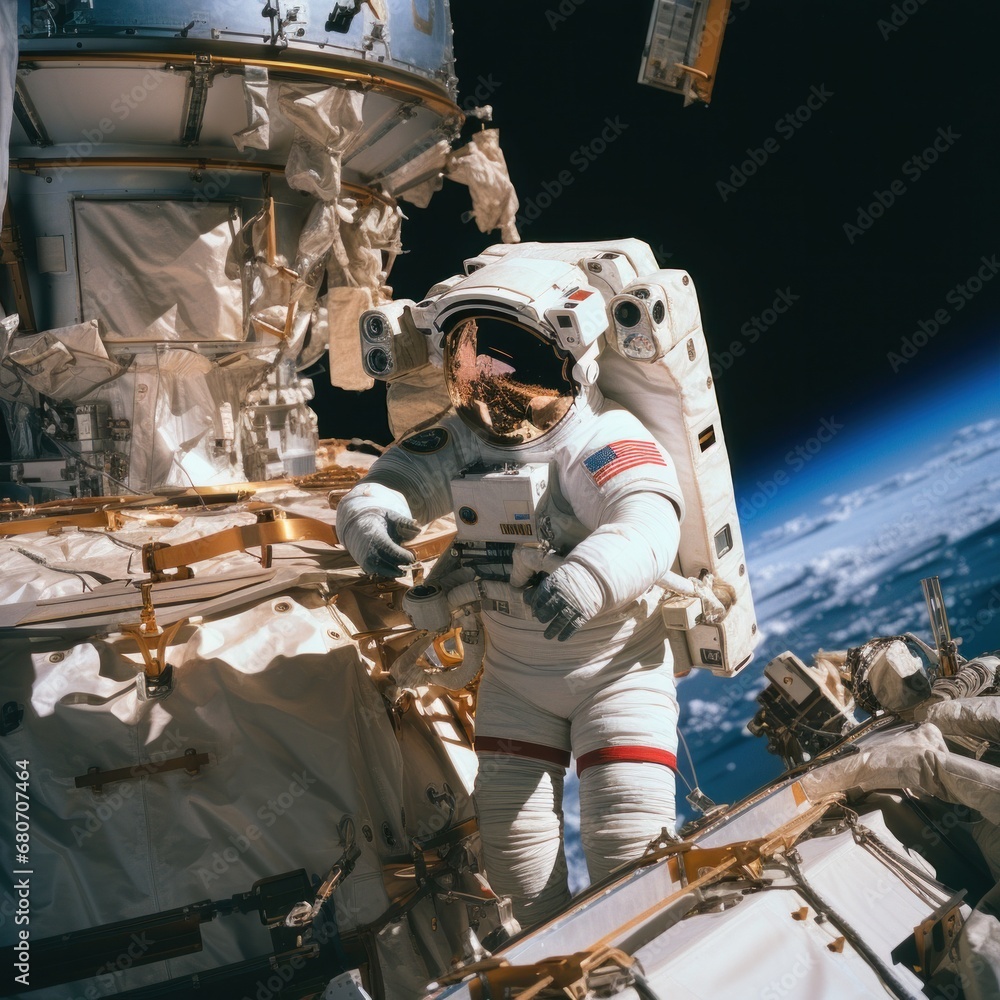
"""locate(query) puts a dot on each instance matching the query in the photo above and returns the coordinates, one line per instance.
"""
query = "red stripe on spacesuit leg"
(520, 748)
(627, 755)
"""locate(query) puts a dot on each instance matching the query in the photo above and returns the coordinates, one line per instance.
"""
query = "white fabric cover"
(8, 328)
(340, 312)
(480, 165)
(184, 411)
(156, 270)
(368, 230)
(418, 179)
(257, 134)
(65, 364)
(280, 713)
(319, 233)
(326, 119)
(975, 717)
(39, 566)
(279, 696)
(918, 759)
(197, 406)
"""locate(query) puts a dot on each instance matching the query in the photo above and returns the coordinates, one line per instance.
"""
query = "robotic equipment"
(618, 321)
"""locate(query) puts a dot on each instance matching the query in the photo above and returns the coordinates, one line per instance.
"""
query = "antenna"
(947, 648)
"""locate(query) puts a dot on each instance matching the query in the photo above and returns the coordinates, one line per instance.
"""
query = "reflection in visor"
(507, 383)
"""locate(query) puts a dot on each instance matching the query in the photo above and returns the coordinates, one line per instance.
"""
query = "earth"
(836, 552)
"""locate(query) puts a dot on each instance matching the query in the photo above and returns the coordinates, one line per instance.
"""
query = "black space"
(557, 73)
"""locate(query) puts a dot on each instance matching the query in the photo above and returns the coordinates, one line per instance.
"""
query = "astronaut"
(585, 667)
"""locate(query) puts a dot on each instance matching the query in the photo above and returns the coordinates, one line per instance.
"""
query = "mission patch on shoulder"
(426, 442)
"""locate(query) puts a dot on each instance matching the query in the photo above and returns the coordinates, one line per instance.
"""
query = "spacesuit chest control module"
(533, 332)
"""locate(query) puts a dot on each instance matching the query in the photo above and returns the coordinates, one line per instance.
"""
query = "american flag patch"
(619, 456)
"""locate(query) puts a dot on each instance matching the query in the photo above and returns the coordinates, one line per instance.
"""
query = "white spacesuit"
(582, 666)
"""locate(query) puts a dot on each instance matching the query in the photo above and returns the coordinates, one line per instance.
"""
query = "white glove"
(568, 598)
(372, 521)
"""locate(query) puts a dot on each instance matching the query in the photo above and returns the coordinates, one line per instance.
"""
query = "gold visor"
(506, 382)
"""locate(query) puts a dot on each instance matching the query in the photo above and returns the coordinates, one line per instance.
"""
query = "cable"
(68, 452)
(79, 574)
(857, 941)
(687, 753)
(641, 985)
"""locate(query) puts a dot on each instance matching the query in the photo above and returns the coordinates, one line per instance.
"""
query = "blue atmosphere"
(861, 444)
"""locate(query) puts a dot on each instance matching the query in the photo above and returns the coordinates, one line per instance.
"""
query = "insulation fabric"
(8, 328)
(156, 270)
(419, 179)
(257, 134)
(918, 759)
(281, 715)
(64, 364)
(195, 417)
(183, 410)
(41, 566)
(481, 166)
(318, 234)
(975, 717)
(302, 758)
(340, 312)
(326, 119)
(368, 244)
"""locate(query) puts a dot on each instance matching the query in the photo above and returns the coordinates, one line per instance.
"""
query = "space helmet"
(509, 384)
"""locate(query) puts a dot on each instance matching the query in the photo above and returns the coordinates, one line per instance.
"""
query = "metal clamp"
(272, 526)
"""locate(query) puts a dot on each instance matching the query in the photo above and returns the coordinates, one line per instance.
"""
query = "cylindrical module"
(190, 181)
